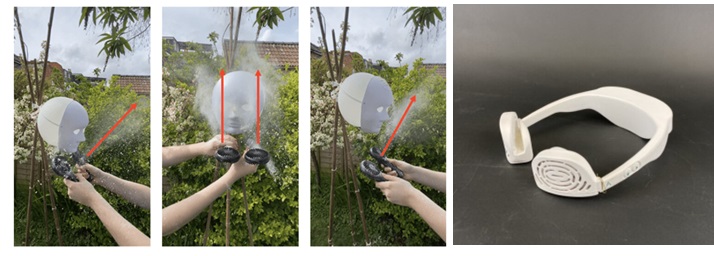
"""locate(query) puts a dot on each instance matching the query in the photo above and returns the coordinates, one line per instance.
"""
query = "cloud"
(379, 34)
(72, 46)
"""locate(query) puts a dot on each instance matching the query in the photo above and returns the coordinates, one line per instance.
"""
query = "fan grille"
(560, 176)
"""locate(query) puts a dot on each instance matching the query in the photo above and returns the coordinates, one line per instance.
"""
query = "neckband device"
(566, 173)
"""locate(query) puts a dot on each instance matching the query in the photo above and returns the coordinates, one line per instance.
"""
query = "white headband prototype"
(566, 173)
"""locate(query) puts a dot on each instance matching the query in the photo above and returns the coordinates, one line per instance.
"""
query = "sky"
(194, 24)
(379, 34)
(75, 48)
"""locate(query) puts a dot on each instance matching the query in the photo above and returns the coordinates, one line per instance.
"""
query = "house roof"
(140, 84)
(440, 68)
(315, 50)
(279, 53)
(17, 61)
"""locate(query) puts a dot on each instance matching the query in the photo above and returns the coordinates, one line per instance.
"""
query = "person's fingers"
(390, 177)
(381, 185)
(231, 143)
(390, 172)
(227, 137)
(67, 182)
(81, 178)
(395, 162)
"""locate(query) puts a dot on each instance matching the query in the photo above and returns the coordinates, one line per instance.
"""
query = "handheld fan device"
(370, 170)
(566, 173)
(227, 155)
(374, 152)
(62, 167)
(254, 156)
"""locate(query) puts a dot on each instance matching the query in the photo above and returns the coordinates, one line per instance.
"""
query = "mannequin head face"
(239, 103)
(364, 101)
(62, 122)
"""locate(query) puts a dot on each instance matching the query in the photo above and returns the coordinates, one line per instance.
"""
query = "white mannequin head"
(239, 103)
(364, 100)
(61, 122)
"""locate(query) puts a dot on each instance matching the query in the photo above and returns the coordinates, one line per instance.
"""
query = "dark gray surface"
(520, 58)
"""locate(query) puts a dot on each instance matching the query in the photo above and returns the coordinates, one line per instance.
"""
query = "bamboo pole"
(228, 216)
(333, 169)
(47, 54)
(324, 43)
(206, 231)
(317, 167)
(344, 40)
(347, 185)
(247, 212)
(30, 190)
(355, 183)
(43, 188)
(40, 94)
(34, 146)
(52, 193)
(24, 55)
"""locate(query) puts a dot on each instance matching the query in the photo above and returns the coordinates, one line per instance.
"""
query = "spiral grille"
(560, 176)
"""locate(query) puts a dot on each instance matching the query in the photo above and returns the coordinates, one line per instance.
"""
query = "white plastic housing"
(516, 139)
(565, 173)
(641, 114)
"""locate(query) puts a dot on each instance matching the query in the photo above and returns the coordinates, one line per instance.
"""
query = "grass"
(319, 214)
(41, 232)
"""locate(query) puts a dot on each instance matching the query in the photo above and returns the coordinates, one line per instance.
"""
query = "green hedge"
(125, 154)
(273, 202)
(421, 141)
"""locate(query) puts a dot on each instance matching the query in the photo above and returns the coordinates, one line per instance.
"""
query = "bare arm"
(123, 232)
(135, 193)
(434, 215)
(174, 155)
(433, 179)
(177, 215)
(399, 191)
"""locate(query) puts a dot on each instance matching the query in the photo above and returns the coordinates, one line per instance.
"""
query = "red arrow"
(222, 73)
(257, 109)
(411, 101)
(133, 106)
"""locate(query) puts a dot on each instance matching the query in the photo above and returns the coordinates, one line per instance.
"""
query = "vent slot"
(560, 176)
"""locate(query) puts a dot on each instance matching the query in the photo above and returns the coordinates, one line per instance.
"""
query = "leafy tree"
(399, 57)
(266, 17)
(96, 72)
(213, 37)
(358, 63)
(420, 18)
(121, 22)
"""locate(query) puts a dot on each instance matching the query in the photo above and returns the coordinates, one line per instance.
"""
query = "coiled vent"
(560, 176)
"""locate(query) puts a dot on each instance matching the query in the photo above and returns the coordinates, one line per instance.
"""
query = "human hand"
(87, 169)
(397, 190)
(82, 191)
(242, 168)
(406, 168)
(211, 146)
